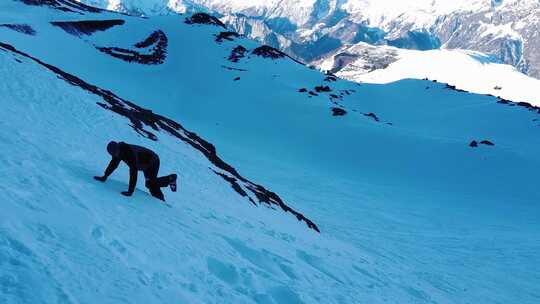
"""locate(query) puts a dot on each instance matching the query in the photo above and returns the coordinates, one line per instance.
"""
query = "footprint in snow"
(224, 271)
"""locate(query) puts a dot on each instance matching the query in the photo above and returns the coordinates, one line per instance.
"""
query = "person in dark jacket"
(138, 159)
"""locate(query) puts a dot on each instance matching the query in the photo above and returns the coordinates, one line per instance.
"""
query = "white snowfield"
(408, 211)
(467, 70)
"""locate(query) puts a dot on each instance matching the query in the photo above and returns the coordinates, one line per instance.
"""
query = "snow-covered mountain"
(422, 193)
(308, 30)
(467, 70)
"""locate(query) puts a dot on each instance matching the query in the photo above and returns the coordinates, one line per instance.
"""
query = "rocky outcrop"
(228, 35)
(87, 27)
(21, 28)
(338, 112)
(156, 53)
(237, 53)
(267, 51)
(203, 18)
(64, 5)
(476, 144)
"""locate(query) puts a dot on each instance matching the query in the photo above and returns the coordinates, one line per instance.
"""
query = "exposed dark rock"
(64, 5)
(320, 89)
(269, 52)
(226, 36)
(334, 96)
(234, 184)
(39, 2)
(236, 79)
(302, 90)
(475, 144)
(487, 143)
(313, 93)
(233, 69)
(372, 115)
(141, 119)
(338, 112)
(266, 51)
(330, 79)
(237, 53)
(87, 27)
(157, 55)
(498, 88)
(526, 105)
(21, 28)
(203, 18)
(454, 88)
(153, 39)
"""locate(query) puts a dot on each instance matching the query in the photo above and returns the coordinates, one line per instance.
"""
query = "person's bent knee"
(150, 183)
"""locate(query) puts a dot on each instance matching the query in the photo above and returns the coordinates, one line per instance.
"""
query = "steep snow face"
(467, 70)
(410, 208)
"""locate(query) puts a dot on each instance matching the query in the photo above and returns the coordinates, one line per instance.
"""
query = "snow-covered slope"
(467, 70)
(409, 212)
(310, 29)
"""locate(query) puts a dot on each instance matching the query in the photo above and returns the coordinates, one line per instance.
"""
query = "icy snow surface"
(409, 213)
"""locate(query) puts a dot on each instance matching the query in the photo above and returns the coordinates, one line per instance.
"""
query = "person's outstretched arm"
(111, 167)
(113, 164)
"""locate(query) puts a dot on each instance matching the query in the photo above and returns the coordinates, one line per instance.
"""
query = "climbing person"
(138, 159)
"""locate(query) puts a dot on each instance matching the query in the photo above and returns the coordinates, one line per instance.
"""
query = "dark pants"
(154, 183)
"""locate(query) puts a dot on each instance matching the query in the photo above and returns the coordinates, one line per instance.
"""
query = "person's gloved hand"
(126, 193)
(100, 178)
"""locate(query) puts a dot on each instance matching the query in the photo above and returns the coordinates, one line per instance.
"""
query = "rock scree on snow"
(226, 36)
(21, 28)
(64, 5)
(87, 27)
(237, 53)
(267, 51)
(141, 119)
(157, 54)
(338, 112)
(203, 18)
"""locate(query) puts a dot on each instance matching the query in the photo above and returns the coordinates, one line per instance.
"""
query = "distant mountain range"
(310, 30)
